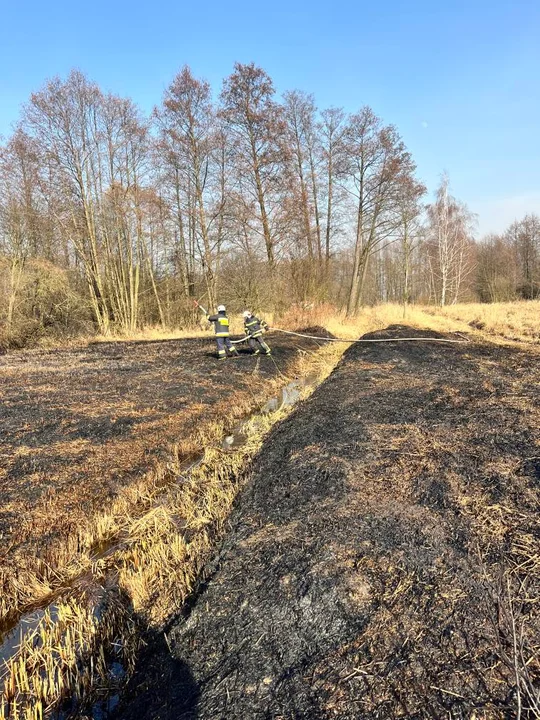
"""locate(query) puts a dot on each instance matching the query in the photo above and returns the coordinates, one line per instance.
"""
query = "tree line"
(110, 220)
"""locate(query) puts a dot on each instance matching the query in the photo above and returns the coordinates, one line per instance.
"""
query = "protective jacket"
(221, 324)
(254, 327)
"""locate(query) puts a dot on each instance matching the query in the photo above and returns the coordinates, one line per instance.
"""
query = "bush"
(47, 305)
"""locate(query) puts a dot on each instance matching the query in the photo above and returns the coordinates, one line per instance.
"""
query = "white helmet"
(246, 313)
(221, 308)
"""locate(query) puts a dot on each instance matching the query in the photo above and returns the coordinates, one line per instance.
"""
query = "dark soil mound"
(316, 330)
(382, 561)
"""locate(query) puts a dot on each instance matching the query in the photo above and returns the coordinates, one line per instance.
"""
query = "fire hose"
(364, 340)
(345, 340)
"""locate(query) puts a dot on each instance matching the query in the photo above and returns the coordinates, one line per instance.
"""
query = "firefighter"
(254, 329)
(221, 327)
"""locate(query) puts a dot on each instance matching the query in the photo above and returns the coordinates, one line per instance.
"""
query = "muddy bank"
(382, 561)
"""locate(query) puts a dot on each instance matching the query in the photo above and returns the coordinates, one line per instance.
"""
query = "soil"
(382, 560)
(77, 425)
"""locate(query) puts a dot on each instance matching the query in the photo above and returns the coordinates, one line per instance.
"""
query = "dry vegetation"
(382, 561)
(139, 516)
(510, 321)
(162, 527)
(106, 422)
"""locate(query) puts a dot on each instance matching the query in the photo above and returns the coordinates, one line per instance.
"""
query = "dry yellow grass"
(498, 322)
(66, 651)
(518, 320)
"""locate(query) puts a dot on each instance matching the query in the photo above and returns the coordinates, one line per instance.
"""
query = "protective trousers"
(224, 346)
(257, 344)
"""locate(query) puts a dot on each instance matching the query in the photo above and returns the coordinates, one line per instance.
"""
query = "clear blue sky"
(459, 78)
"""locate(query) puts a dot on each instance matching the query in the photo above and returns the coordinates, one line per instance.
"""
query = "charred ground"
(382, 561)
(79, 424)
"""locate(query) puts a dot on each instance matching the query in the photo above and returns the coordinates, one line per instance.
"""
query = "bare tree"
(375, 163)
(497, 275)
(332, 133)
(297, 107)
(188, 124)
(257, 128)
(525, 237)
(24, 230)
(450, 237)
(96, 148)
(63, 118)
(410, 230)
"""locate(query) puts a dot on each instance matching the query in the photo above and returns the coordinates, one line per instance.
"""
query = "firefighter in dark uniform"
(254, 329)
(221, 327)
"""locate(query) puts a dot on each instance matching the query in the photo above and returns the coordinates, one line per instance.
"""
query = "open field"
(136, 552)
(93, 427)
(383, 559)
(96, 440)
(78, 426)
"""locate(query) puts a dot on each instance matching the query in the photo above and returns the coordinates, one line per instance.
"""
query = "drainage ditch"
(96, 591)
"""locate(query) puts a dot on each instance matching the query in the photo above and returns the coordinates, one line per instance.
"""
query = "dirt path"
(371, 557)
(77, 425)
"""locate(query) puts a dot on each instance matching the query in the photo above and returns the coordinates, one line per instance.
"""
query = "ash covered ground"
(382, 561)
(79, 424)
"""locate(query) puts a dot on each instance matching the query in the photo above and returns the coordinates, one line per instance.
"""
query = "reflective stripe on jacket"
(253, 326)
(221, 324)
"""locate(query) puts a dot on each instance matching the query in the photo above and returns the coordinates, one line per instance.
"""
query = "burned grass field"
(383, 558)
(79, 426)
